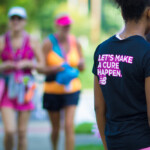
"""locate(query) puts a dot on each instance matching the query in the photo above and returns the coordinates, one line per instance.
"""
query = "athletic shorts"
(13, 103)
(54, 102)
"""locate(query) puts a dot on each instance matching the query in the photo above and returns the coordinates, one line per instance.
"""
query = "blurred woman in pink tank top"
(17, 52)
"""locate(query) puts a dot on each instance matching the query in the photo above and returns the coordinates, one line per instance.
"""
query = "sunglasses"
(16, 18)
(66, 27)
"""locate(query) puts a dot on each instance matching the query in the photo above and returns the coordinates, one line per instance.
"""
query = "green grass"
(90, 147)
(84, 128)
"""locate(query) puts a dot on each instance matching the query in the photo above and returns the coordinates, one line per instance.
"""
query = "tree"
(96, 20)
(37, 10)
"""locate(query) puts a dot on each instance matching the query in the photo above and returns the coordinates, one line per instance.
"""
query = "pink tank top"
(25, 52)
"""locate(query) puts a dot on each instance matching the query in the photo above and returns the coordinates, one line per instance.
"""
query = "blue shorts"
(55, 102)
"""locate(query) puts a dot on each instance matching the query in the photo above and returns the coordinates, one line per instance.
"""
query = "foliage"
(36, 10)
(84, 128)
(90, 147)
(41, 15)
(111, 19)
(86, 76)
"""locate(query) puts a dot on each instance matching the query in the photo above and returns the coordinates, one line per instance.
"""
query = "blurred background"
(93, 22)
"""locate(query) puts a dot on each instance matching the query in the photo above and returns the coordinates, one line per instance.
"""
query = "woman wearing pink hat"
(62, 89)
(17, 52)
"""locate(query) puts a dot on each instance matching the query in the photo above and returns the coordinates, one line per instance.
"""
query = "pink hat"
(63, 20)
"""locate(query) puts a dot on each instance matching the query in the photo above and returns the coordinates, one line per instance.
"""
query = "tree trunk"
(95, 20)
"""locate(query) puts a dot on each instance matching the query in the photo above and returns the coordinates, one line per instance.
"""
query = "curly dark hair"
(132, 9)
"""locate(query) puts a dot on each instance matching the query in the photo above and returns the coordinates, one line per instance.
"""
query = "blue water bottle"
(12, 87)
(21, 93)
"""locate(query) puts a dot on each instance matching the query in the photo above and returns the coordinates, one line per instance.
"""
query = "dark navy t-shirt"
(121, 67)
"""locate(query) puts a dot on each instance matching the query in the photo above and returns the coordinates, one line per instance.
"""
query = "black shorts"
(55, 102)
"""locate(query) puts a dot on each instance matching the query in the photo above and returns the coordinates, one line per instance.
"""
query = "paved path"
(38, 137)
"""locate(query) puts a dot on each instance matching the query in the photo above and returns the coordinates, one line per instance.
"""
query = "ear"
(122, 13)
(148, 13)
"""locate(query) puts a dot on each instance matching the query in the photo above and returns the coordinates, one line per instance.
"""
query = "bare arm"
(81, 65)
(37, 51)
(100, 109)
(147, 90)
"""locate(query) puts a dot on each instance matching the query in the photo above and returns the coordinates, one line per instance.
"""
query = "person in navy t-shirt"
(122, 81)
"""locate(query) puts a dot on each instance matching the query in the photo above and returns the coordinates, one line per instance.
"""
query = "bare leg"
(55, 121)
(69, 127)
(8, 117)
(23, 119)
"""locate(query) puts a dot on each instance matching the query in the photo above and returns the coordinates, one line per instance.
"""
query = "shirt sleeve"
(146, 64)
(94, 70)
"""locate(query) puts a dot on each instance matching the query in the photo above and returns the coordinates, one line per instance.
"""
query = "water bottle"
(21, 93)
(12, 87)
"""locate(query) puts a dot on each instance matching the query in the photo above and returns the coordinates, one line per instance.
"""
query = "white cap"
(18, 11)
